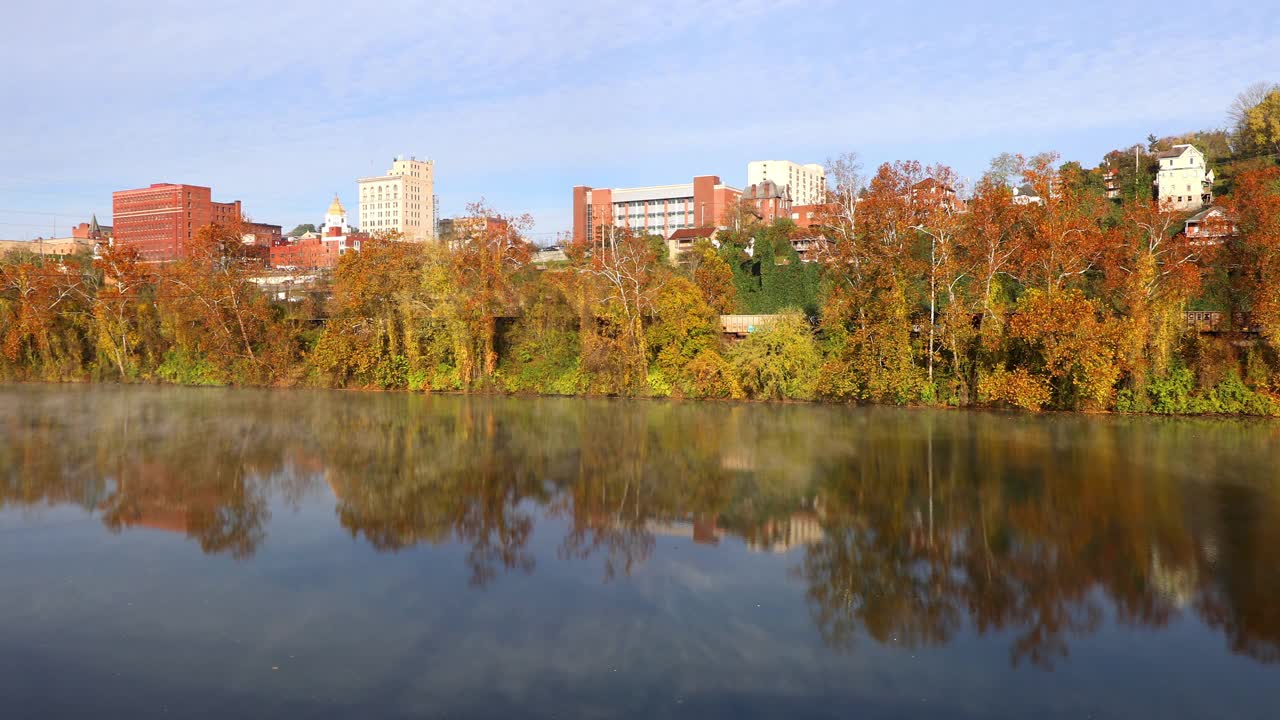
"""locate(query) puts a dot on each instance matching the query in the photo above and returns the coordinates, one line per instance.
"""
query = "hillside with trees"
(915, 287)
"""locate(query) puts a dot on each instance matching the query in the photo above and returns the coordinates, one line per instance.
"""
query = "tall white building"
(1184, 181)
(401, 201)
(807, 184)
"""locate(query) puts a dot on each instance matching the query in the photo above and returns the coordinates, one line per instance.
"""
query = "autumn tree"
(778, 361)
(41, 318)
(123, 309)
(838, 214)
(739, 218)
(623, 276)
(940, 223)
(1244, 101)
(1262, 123)
(1255, 207)
(714, 277)
(684, 341)
(870, 271)
(1063, 235)
(1071, 343)
(543, 347)
(990, 242)
(488, 252)
(217, 316)
(374, 333)
(1151, 269)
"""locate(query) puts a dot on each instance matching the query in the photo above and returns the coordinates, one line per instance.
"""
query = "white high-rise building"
(807, 184)
(400, 201)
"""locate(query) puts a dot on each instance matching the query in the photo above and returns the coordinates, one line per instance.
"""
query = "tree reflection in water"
(905, 527)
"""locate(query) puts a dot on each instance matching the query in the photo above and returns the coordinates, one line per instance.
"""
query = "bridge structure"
(743, 325)
(1217, 322)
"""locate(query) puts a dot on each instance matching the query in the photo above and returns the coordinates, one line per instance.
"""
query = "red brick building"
(158, 221)
(931, 192)
(262, 234)
(807, 216)
(92, 231)
(308, 253)
(318, 251)
(769, 201)
(657, 209)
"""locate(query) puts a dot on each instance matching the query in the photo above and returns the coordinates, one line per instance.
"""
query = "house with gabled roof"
(1211, 226)
(1184, 181)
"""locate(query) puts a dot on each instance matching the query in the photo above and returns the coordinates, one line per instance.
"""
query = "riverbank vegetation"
(911, 288)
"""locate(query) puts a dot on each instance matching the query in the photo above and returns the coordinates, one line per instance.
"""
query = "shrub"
(1171, 393)
(778, 361)
(392, 372)
(1018, 388)
(709, 375)
(657, 383)
(182, 368)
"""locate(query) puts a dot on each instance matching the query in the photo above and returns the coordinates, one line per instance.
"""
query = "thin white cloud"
(281, 104)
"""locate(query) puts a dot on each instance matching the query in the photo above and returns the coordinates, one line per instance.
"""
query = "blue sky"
(281, 103)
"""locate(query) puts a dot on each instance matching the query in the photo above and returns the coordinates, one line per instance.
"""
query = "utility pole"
(1135, 172)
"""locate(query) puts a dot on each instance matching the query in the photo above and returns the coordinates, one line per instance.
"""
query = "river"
(222, 553)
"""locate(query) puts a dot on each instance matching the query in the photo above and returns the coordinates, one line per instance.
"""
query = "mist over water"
(241, 553)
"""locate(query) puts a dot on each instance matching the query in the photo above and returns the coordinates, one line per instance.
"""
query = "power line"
(40, 212)
(40, 225)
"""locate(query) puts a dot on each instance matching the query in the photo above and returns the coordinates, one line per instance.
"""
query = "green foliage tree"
(778, 361)
(767, 272)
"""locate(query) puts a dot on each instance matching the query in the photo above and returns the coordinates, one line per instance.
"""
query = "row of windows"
(672, 213)
(642, 203)
(658, 225)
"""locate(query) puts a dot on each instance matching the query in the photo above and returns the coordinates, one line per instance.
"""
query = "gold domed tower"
(335, 220)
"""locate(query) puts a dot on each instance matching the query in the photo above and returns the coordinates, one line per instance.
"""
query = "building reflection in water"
(905, 527)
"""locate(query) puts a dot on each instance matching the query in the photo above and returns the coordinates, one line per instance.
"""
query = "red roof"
(693, 233)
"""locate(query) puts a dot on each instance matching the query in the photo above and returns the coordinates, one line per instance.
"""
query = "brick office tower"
(656, 210)
(160, 220)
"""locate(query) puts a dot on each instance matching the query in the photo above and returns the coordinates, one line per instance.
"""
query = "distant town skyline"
(281, 105)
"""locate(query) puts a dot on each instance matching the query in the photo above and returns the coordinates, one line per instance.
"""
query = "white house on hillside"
(1184, 181)
(1026, 194)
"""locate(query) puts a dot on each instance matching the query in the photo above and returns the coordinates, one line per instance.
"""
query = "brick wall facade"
(159, 221)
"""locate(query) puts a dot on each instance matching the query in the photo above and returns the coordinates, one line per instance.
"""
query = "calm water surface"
(241, 553)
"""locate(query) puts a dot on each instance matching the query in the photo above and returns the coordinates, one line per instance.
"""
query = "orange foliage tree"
(1256, 208)
(714, 278)
(41, 305)
(1071, 343)
(869, 268)
(213, 310)
(1152, 271)
(371, 336)
(941, 222)
(1063, 236)
(489, 251)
